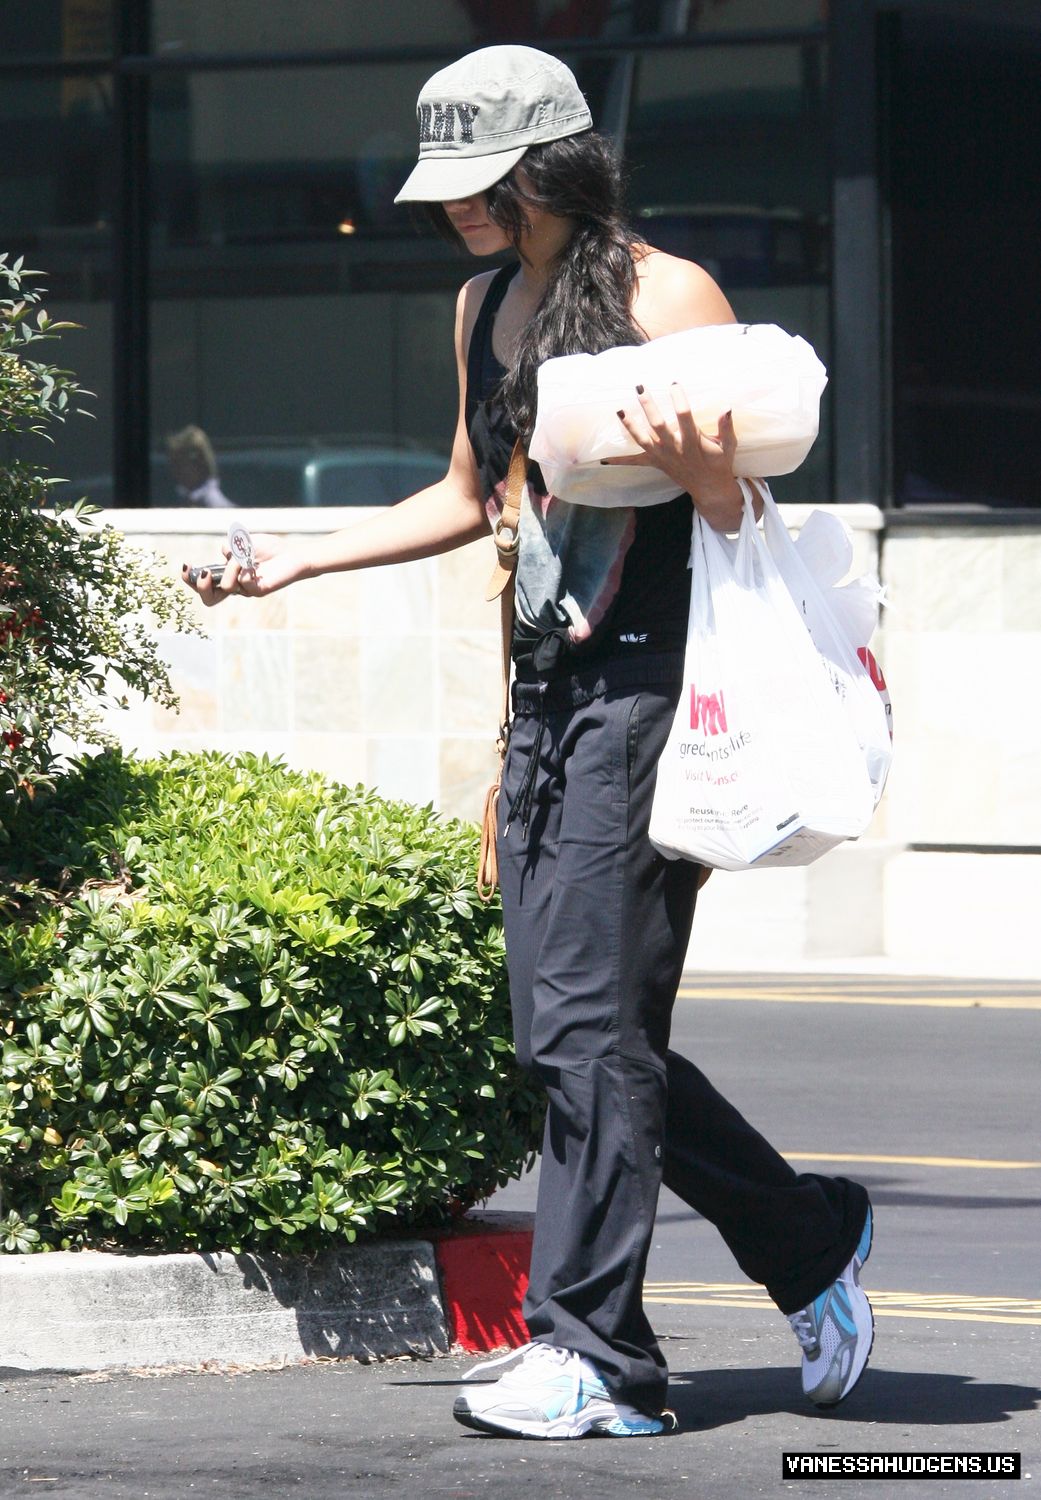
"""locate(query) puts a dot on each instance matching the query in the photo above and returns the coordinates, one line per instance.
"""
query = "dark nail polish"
(639, 390)
(205, 573)
(621, 413)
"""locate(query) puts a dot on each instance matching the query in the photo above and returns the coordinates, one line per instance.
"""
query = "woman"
(596, 922)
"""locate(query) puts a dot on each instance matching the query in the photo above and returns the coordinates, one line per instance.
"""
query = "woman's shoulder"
(468, 306)
(470, 301)
(673, 294)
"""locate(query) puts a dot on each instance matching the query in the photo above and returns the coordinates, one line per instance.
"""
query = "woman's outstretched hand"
(700, 463)
(277, 563)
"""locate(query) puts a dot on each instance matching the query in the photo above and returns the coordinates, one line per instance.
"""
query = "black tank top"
(593, 583)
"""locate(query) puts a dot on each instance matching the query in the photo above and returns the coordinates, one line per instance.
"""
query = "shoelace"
(803, 1325)
(804, 1329)
(533, 1354)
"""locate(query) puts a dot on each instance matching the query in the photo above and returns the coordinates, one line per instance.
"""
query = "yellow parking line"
(913, 1161)
(951, 1308)
(837, 997)
(868, 984)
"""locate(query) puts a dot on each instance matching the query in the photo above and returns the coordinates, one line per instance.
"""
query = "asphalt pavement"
(927, 1091)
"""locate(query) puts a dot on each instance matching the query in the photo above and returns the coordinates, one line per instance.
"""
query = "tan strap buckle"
(507, 538)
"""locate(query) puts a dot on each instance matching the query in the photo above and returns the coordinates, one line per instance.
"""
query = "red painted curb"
(483, 1266)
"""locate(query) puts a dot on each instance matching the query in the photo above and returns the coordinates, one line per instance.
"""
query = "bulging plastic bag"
(841, 620)
(781, 742)
(825, 548)
(771, 380)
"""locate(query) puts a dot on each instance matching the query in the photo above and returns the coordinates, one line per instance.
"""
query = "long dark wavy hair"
(586, 307)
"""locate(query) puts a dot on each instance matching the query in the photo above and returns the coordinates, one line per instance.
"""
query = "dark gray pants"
(597, 926)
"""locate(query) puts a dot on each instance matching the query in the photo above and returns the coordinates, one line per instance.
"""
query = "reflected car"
(359, 471)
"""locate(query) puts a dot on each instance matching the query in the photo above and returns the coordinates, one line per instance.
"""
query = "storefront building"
(209, 184)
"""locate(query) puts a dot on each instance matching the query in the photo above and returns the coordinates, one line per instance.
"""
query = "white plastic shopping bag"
(840, 621)
(766, 764)
(771, 381)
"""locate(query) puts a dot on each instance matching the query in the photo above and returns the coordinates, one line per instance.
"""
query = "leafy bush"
(77, 604)
(241, 1006)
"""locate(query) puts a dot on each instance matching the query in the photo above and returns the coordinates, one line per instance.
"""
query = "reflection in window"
(56, 167)
(261, 156)
(56, 28)
(457, 25)
(303, 153)
(295, 307)
(302, 25)
(720, 16)
(292, 301)
(728, 168)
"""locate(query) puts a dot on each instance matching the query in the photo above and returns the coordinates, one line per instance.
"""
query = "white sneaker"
(551, 1393)
(836, 1332)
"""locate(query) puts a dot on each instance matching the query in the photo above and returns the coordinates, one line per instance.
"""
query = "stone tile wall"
(389, 676)
(960, 644)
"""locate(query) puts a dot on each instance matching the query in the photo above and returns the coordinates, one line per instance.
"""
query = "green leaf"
(268, 1077)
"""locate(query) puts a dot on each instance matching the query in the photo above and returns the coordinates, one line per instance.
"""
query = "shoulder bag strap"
(502, 586)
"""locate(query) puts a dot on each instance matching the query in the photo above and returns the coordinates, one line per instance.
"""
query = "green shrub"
(241, 1006)
(78, 605)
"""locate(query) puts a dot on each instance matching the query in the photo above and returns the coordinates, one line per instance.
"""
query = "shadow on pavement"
(703, 1399)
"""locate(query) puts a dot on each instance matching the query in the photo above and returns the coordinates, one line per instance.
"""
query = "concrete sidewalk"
(86, 1310)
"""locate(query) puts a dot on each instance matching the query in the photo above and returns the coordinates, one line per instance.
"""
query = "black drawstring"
(525, 792)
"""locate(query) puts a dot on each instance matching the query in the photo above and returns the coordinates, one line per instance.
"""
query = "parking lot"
(924, 1090)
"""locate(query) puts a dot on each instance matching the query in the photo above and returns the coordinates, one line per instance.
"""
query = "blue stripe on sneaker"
(841, 1310)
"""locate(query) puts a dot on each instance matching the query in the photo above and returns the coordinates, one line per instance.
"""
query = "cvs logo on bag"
(707, 711)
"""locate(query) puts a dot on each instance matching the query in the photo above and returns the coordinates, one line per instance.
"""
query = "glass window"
(282, 154)
(299, 318)
(56, 195)
(726, 151)
(720, 16)
(257, 157)
(345, 399)
(306, 25)
(965, 205)
(294, 306)
(56, 28)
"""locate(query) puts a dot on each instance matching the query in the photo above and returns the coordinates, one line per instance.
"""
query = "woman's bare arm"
(674, 295)
(437, 519)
